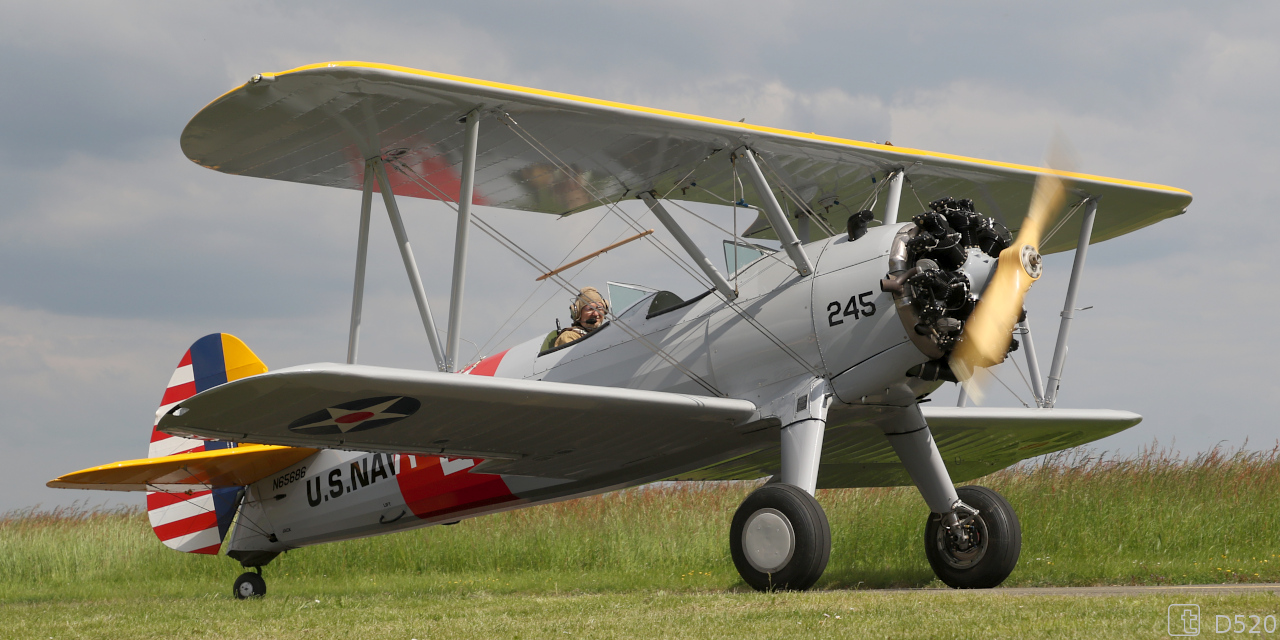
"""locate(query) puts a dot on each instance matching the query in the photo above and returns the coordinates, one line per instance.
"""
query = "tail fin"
(197, 521)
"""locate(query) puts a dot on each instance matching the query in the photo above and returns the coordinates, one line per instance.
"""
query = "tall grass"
(1153, 518)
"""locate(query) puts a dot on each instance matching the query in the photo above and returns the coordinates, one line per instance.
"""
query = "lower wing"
(973, 441)
(519, 427)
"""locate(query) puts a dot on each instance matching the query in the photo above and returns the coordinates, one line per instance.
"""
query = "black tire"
(998, 543)
(249, 585)
(788, 516)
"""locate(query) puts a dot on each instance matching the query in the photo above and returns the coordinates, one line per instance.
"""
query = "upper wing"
(198, 471)
(558, 153)
(520, 427)
(973, 441)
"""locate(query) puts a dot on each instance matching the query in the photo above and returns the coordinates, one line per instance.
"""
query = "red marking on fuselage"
(354, 417)
(488, 366)
(428, 492)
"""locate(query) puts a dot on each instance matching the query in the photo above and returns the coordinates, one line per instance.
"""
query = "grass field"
(655, 562)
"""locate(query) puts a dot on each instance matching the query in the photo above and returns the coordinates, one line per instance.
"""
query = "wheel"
(250, 585)
(780, 539)
(995, 541)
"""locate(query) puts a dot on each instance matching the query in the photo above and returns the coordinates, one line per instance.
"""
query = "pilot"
(587, 312)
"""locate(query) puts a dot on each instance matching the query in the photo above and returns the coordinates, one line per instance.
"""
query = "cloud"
(117, 252)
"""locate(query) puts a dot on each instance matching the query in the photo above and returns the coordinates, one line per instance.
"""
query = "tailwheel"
(980, 548)
(780, 539)
(250, 585)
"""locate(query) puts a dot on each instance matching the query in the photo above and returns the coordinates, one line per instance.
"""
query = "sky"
(116, 252)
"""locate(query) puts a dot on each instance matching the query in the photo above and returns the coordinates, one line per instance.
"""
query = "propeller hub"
(1032, 262)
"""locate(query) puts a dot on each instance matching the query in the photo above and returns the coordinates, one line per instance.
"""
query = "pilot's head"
(588, 309)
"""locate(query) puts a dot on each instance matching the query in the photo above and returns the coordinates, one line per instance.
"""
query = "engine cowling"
(938, 267)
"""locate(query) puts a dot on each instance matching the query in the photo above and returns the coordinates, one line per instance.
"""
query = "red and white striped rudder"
(196, 521)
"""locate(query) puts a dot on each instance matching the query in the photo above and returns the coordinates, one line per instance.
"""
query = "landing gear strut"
(973, 537)
(250, 585)
(780, 538)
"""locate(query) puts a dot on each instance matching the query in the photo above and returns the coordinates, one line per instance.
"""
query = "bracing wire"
(534, 292)
(612, 207)
(772, 253)
(1063, 221)
(250, 524)
(556, 161)
(550, 156)
(480, 351)
(794, 196)
(923, 206)
(679, 182)
(873, 198)
(533, 261)
(1025, 380)
(1015, 394)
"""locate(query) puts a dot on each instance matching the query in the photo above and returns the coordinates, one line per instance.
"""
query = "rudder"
(197, 521)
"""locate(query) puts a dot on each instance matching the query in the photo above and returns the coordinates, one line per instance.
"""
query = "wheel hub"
(962, 552)
(246, 589)
(768, 540)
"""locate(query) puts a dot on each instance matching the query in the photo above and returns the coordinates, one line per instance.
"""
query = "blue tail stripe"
(209, 366)
(225, 502)
(210, 370)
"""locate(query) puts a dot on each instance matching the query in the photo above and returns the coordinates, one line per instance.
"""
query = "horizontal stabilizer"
(198, 471)
(522, 427)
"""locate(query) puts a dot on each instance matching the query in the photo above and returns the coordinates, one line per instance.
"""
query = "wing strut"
(410, 264)
(694, 252)
(777, 219)
(454, 337)
(893, 197)
(362, 252)
(1033, 363)
(1069, 305)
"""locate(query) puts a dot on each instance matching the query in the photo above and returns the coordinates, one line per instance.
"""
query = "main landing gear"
(973, 537)
(780, 539)
(250, 585)
(976, 546)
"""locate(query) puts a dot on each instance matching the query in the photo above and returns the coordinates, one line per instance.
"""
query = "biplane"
(807, 365)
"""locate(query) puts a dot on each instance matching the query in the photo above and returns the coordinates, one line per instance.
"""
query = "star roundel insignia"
(357, 415)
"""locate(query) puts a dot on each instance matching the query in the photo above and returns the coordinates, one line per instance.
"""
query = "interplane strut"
(1069, 305)
(468, 182)
(362, 253)
(777, 218)
(410, 263)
